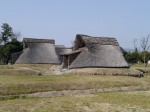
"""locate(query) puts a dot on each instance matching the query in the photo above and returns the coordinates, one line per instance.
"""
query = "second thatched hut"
(94, 52)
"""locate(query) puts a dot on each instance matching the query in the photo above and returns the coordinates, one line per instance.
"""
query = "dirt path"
(82, 92)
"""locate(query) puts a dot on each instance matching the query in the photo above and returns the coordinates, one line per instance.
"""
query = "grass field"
(32, 66)
(15, 84)
(14, 81)
(137, 101)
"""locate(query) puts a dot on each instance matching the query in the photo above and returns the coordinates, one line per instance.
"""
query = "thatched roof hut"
(38, 51)
(95, 52)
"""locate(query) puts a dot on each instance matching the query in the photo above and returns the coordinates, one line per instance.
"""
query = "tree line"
(9, 43)
(139, 56)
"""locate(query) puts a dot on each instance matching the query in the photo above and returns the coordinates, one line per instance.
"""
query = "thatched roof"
(38, 51)
(61, 49)
(59, 46)
(26, 41)
(73, 52)
(100, 52)
(85, 40)
(34, 40)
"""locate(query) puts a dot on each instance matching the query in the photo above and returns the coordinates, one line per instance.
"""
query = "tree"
(9, 48)
(9, 43)
(145, 46)
(131, 57)
(146, 58)
(16, 36)
(6, 34)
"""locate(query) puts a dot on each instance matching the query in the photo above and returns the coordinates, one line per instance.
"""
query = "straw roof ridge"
(97, 40)
(35, 40)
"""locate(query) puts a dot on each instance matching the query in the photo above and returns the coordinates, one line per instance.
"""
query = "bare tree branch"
(145, 46)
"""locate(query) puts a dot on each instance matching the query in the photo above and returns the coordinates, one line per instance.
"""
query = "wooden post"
(68, 61)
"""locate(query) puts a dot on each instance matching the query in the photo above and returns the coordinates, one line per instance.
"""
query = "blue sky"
(61, 20)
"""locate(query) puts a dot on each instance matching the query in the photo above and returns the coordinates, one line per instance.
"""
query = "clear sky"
(61, 20)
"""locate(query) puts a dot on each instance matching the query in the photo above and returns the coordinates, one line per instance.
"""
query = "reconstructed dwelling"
(95, 52)
(38, 51)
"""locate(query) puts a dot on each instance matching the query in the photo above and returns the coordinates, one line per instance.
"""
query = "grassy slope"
(138, 101)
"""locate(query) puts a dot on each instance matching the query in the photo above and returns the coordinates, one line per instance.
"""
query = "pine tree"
(6, 34)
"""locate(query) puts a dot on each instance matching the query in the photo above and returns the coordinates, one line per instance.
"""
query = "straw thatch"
(61, 49)
(95, 52)
(38, 51)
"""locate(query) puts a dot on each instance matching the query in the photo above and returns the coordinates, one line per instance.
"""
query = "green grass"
(137, 101)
